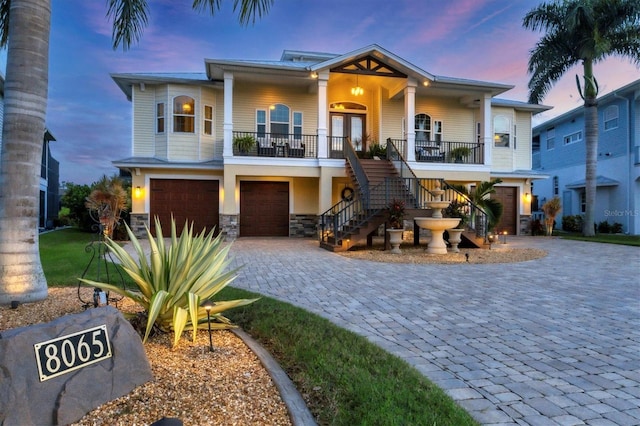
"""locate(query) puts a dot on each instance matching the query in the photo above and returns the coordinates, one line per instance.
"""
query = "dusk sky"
(91, 118)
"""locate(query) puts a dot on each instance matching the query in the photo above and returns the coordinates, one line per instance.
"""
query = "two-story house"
(309, 118)
(559, 152)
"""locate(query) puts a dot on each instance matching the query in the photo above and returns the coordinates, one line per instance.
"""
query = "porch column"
(485, 127)
(227, 125)
(323, 149)
(410, 113)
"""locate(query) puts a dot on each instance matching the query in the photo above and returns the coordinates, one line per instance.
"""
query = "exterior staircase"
(378, 182)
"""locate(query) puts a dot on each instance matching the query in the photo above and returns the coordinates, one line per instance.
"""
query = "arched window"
(183, 114)
(279, 119)
(427, 130)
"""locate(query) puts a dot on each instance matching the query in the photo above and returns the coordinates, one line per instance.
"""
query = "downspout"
(629, 161)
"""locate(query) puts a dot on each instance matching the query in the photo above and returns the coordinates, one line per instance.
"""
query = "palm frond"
(129, 20)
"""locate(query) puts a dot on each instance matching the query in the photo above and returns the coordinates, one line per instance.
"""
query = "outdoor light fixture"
(99, 297)
(466, 255)
(314, 74)
(137, 192)
(357, 91)
(208, 305)
(15, 304)
(504, 236)
(527, 197)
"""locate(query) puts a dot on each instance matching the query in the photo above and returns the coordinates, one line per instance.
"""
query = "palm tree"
(587, 32)
(24, 30)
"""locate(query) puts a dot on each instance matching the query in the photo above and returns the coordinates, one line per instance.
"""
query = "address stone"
(54, 373)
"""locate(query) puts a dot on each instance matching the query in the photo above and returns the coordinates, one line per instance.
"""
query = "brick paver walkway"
(555, 341)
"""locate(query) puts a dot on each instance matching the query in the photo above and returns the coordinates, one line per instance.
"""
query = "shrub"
(616, 228)
(172, 283)
(537, 228)
(572, 223)
(604, 227)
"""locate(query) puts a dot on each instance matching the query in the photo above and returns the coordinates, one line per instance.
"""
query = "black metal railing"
(336, 146)
(449, 152)
(278, 145)
(410, 181)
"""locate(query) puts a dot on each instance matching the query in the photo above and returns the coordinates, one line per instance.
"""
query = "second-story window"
(551, 138)
(297, 125)
(573, 137)
(279, 120)
(207, 124)
(261, 122)
(426, 129)
(160, 117)
(501, 130)
(183, 114)
(611, 117)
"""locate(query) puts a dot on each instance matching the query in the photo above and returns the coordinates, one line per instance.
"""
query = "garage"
(264, 209)
(194, 200)
(508, 196)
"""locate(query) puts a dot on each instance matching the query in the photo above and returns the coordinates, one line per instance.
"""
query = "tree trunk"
(21, 275)
(591, 141)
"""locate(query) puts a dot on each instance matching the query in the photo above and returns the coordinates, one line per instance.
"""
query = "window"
(426, 130)
(297, 125)
(279, 120)
(611, 117)
(573, 137)
(207, 127)
(583, 201)
(515, 134)
(160, 117)
(261, 122)
(183, 114)
(551, 138)
(556, 184)
(501, 131)
(478, 133)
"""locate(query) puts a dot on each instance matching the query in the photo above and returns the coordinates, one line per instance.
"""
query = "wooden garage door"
(264, 209)
(194, 200)
(507, 195)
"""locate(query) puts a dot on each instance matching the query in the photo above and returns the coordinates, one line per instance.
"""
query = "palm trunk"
(591, 144)
(21, 275)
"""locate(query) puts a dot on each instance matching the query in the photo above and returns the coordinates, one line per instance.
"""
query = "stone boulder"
(29, 396)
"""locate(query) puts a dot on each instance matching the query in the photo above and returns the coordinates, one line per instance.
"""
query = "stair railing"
(358, 171)
(411, 181)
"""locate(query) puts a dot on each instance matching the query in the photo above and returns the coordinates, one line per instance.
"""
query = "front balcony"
(444, 151)
(278, 145)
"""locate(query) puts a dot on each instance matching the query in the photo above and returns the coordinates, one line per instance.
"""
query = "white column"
(323, 149)
(228, 115)
(485, 127)
(410, 113)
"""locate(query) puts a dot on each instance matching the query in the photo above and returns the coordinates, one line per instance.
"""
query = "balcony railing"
(279, 145)
(445, 151)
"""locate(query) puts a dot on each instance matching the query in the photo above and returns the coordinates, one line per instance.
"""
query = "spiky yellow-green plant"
(175, 278)
(551, 209)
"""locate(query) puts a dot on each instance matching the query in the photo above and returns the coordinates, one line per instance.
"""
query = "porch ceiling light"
(357, 91)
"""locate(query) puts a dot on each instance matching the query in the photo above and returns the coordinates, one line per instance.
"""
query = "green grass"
(346, 379)
(627, 240)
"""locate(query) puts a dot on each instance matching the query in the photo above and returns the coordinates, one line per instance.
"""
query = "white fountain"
(436, 223)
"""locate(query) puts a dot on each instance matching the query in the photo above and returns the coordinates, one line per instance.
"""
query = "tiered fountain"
(436, 223)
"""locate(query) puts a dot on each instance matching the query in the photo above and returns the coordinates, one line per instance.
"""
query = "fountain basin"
(437, 226)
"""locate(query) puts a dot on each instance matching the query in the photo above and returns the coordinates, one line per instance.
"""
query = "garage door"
(507, 195)
(264, 209)
(194, 200)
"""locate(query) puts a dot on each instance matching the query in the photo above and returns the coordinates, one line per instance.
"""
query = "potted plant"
(244, 143)
(456, 209)
(458, 153)
(395, 218)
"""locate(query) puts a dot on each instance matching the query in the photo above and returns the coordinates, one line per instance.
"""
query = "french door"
(346, 125)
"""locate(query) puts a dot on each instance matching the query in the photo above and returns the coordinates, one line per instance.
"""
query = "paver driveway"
(544, 342)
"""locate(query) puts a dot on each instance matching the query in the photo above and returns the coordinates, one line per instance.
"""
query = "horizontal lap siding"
(144, 121)
(523, 147)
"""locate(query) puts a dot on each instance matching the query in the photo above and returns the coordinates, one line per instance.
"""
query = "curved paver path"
(544, 342)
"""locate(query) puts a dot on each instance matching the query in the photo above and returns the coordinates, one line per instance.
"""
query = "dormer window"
(183, 114)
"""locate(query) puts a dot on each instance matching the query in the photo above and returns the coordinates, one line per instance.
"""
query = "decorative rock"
(67, 397)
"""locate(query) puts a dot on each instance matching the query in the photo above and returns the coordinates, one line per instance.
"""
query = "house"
(559, 152)
(309, 119)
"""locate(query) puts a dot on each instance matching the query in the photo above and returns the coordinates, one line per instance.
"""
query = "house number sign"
(71, 352)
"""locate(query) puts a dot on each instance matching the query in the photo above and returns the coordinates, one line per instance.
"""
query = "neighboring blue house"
(559, 152)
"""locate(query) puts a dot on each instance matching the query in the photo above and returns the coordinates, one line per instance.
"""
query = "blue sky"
(91, 120)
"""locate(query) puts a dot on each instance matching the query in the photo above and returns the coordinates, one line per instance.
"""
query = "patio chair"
(295, 151)
(265, 150)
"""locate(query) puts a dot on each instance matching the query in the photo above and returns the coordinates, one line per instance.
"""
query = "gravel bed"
(228, 386)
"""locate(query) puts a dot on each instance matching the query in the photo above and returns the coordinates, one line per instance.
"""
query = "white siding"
(523, 147)
(143, 121)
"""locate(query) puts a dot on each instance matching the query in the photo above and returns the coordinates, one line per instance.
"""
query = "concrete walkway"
(554, 341)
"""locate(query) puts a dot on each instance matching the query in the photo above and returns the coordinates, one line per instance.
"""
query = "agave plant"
(176, 278)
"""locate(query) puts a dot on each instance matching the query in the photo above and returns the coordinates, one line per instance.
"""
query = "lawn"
(628, 240)
(346, 379)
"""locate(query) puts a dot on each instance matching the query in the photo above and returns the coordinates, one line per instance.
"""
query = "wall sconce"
(527, 197)
(314, 75)
(208, 305)
(137, 193)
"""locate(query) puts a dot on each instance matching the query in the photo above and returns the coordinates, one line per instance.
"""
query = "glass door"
(352, 126)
